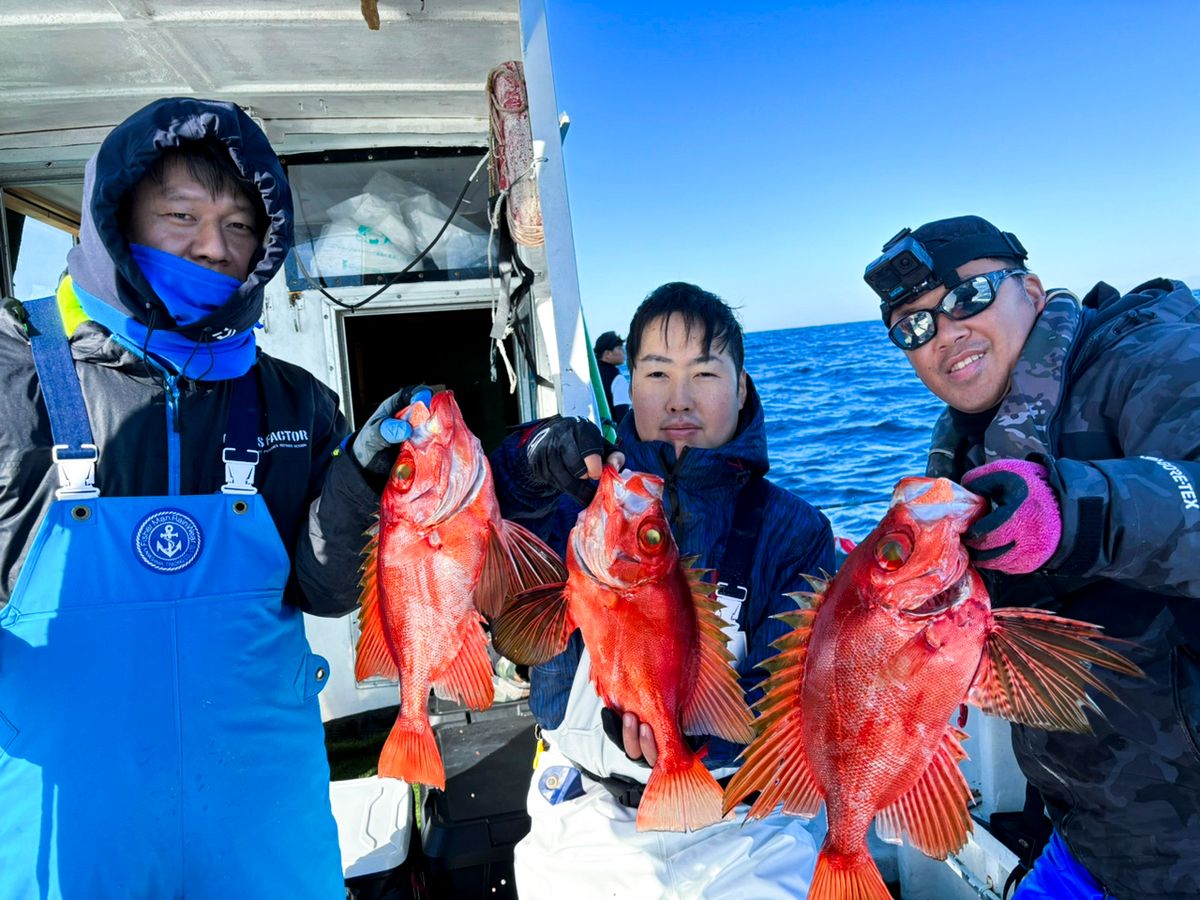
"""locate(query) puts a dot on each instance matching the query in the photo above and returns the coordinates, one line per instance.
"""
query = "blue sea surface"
(846, 417)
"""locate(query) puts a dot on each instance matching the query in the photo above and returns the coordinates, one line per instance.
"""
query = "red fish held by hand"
(654, 636)
(858, 700)
(441, 560)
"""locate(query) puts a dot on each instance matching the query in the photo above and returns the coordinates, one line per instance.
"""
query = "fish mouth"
(944, 600)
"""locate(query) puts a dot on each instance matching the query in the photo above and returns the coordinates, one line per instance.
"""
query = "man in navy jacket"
(696, 422)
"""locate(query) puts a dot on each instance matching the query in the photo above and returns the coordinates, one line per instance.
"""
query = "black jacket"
(1105, 393)
(320, 516)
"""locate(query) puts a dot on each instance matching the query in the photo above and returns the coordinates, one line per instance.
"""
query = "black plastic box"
(468, 831)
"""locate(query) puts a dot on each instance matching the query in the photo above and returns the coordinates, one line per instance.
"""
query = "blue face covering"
(189, 292)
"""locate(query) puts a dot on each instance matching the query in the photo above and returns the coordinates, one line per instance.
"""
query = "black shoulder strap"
(735, 563)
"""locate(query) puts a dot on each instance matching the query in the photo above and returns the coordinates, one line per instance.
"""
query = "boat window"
(361, 218)
(35, 257)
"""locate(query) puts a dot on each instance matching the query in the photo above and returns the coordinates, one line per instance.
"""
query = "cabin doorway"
(446, 348)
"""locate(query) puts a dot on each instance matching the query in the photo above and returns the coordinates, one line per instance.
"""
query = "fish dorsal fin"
(933, 812)
(533, 562)
(716, 704)
(467, 678)
(373, 656)
(535, 627)
(1035, 670)
(775, 763)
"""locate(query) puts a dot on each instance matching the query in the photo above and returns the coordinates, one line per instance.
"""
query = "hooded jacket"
(1105, 394)
(101, 263)
(126, 397)
(700, 493)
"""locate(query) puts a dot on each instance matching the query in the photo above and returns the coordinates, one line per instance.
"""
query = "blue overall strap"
(60, 384)
(240, 453)
(74, 450)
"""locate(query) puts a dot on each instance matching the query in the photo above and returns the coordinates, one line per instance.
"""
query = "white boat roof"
(310, 71)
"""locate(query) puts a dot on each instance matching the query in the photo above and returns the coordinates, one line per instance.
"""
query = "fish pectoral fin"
(533, 562)
(495, 577)
(933, 812)
(372, 656)
(535, 627)
(1036, 668)
(716, 704)
(776, 762)
(467, 678)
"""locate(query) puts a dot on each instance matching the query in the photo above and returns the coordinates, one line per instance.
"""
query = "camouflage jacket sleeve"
(1136, 518)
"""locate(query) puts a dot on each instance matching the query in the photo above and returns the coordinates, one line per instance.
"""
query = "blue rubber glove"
(1024, 527)
(374, 446)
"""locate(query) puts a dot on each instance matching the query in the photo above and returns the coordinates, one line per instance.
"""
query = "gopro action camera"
(903, 272)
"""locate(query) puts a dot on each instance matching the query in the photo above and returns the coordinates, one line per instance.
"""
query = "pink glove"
(1024, 527)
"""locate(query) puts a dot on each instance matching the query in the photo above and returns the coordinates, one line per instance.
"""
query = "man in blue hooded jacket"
(173, 499)
(696, 422)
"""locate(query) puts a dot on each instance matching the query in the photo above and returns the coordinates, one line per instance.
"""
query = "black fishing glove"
(375, 443)
(555, 449)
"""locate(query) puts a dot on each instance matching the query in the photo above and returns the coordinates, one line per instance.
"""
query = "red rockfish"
(857, 703)
(654, 636)
(441, 559)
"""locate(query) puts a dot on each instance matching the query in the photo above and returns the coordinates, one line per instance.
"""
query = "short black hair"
(700, 309)
(210, 164)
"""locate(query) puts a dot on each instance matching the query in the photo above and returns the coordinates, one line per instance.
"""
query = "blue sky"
(766, 150)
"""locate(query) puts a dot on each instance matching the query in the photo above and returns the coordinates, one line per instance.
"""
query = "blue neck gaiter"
(189, 292)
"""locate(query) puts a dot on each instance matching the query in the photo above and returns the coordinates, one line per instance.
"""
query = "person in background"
(696, 422)
(1080, 422)
(610, 353)
(173, 498)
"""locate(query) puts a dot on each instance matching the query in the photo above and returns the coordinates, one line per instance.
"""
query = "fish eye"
(892, 552)
(651, 536)
(403, 473)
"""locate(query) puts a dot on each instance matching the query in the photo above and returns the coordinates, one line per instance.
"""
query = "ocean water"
(846, 417)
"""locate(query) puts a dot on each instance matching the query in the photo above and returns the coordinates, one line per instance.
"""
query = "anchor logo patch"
(167, 540)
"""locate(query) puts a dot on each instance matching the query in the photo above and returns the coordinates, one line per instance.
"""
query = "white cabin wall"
(567, 342)
(294, 326)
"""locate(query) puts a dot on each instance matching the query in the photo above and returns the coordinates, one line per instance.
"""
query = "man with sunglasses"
(1080, 421)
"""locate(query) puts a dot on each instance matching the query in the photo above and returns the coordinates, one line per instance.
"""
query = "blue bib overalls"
(159, 729)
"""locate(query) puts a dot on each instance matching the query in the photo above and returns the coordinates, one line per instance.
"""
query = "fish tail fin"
(535, 627)
(680, 800)
(776, 763)
(372, 656)
(411, 754)
(716, 704)
(840, 877)
(1037, 666)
